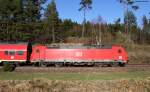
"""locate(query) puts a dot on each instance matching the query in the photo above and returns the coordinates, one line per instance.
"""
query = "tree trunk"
(53, 34)
(83, 29)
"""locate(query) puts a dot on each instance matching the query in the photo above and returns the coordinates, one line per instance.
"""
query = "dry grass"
(82, 76)
(138, 54)
(44, 85)
(78, 40)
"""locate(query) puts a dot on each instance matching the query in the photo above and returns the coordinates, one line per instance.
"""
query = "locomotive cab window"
(20, 52)
(119, 51)
(37, 51)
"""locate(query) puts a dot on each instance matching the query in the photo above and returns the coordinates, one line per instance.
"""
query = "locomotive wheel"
(43, 64)
(40, 64)
(98, 65)
(115, 64)
(58, 64)
(89, 64)
(36, 64)
(122, 64)
(109, 65)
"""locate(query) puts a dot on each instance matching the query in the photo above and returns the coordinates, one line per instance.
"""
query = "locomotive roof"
(79, 46)
(13, 46)
(13, 43)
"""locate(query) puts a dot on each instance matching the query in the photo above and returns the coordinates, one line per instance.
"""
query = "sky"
(109, 10)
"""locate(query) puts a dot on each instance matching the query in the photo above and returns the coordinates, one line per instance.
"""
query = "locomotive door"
(38, 53)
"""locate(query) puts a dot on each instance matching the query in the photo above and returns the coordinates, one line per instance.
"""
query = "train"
(61, 55)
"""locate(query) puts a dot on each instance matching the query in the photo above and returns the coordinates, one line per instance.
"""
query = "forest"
(22, 21)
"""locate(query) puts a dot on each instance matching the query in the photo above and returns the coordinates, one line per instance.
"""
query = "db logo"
(12, 57)
(79, 54)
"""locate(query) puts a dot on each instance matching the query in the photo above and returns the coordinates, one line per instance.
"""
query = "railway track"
(78, 69)
(138, 65)
(72, 69)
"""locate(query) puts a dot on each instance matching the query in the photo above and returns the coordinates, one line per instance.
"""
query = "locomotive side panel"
(116, 54)
(79, 55)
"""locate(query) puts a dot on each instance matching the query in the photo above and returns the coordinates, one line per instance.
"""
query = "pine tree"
(31, 10)
(52, 19)
(10, 10)
(145, 30)
(18, 16)
(10, 14)
(145, 23)
(130, 21)
(84, 6)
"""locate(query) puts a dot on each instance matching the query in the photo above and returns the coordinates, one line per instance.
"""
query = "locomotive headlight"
(120, 57)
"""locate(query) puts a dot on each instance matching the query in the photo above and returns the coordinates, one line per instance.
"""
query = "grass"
(75, 76)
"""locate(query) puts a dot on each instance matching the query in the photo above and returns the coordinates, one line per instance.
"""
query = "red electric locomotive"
(79, 55)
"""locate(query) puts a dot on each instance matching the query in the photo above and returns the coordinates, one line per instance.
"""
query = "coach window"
(20, 52)
(11, 52)
(6, 53)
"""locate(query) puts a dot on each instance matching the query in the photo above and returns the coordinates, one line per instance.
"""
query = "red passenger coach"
(13, 53)
(84, 55)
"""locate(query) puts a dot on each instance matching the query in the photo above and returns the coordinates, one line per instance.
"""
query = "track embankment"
(78, 69)
(130, 67)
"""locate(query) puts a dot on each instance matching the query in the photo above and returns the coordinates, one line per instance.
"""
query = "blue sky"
(108, 9)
